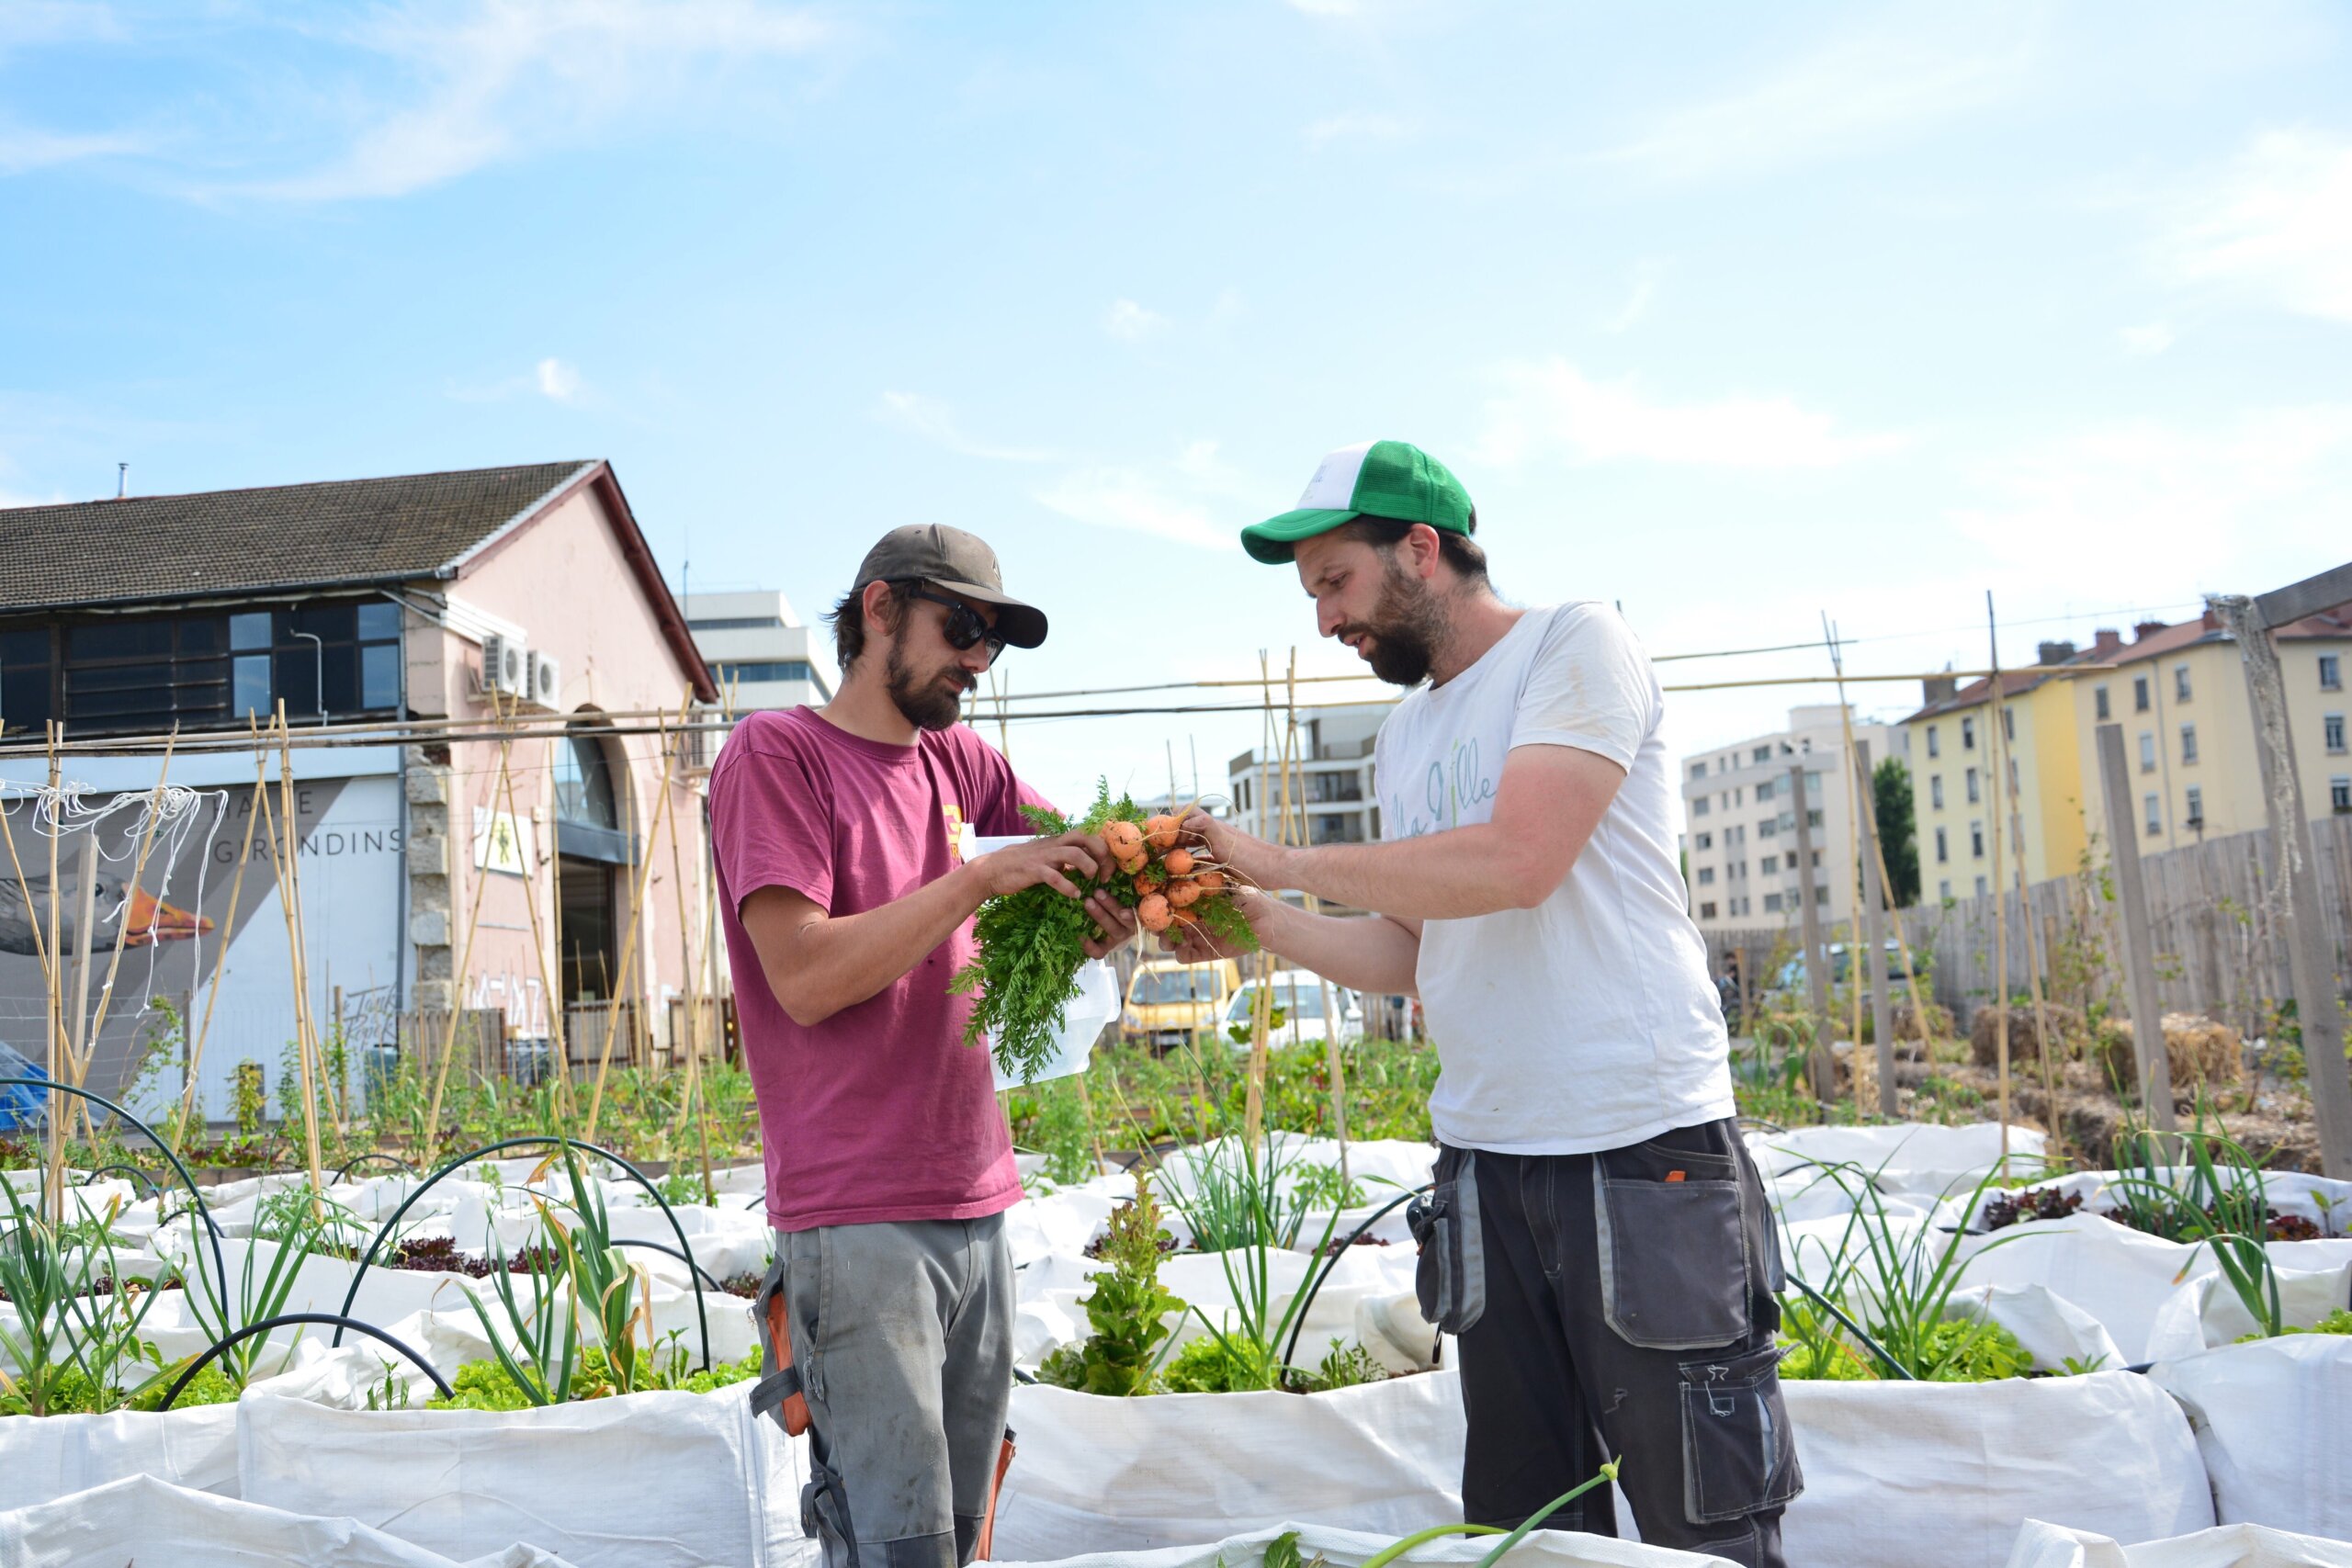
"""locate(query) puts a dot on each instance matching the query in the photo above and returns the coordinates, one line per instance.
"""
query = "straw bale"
(2200, 1051)
(2025, 1044)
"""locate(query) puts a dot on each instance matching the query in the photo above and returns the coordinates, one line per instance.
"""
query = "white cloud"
(1555, 408)
(1124, 499)
(1131, 323)
(2153, 338)
(2278, 223)
(24, 149)
(1356, 125)
(503, 77)
(935, 422)
(2266, 488)
(1853, 94)
(558, 382)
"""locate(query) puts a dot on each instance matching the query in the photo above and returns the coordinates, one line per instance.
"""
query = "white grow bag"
(49, 1456)
(2043, 1545)
(2274, 1418)
(1174, 1470)
(1350, 1549)
(663, 1480)
(1937, 1475)
(143, 1519)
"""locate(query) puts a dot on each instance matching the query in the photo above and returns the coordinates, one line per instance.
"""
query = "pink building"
(402, 617)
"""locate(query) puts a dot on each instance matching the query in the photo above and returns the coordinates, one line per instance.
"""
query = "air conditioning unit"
(505, 666)
(546, 682)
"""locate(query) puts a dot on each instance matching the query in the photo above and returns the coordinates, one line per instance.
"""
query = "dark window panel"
(379, 618)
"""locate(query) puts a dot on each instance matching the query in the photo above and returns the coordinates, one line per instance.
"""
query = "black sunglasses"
(964, 625)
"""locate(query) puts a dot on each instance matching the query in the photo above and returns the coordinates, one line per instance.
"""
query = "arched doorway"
(591, 848)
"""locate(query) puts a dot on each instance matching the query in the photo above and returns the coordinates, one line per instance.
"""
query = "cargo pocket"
(780, 1392)
(1673, 1248)
(1739, 1455)
(1451, 1278)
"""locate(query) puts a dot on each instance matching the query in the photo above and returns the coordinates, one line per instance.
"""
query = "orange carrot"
(1177, 863)
(1124, 840)
(1153, 913)
(1160, 833)
(1210, 881)
(1183, 894)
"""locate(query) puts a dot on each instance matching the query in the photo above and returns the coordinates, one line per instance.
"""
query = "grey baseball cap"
(957, 562)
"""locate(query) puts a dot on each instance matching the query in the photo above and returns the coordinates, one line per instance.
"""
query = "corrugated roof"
(158, 549)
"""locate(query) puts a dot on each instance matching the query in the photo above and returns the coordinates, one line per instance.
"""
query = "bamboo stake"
(1253, 1116)
(550, 988)
(84, 923)
(635, 915)
(465, 959)
(221, 972)
(285, 849)
(123, 925)
(44, 946)
(2056, 1140)
(2000, 892)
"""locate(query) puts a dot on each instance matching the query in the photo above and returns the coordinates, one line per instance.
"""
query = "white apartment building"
(1740, 830)
(760, 654)
(1332, 798)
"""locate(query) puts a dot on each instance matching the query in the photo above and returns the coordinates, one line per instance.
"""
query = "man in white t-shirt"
(1597, 1235)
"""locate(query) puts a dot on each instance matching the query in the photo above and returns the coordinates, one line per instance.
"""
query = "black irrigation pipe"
(393, 1160)
(281, 1321)
(211, 1226)
(1872, 1346)
(154, 1187)
(668, 1251)
(702, 1316)
(1331, 1261)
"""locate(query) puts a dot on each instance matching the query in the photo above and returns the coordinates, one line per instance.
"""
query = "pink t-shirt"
(881, 1112)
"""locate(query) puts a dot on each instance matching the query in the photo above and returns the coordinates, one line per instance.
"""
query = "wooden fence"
(2212, 916)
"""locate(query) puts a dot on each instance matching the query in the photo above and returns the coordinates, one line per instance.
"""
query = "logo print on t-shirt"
(961, 840)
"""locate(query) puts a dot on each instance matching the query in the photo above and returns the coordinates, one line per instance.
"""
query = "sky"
(1739, 317)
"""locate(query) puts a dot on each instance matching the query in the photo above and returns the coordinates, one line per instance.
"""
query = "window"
(1974, 792)
(1701, 805)
(1706, 876)
(131, 673)
(1980, 887)
(1936, 792)
(2147, 752)
(2013, 776)
(1943, 847)
(1976, 840)
(2339, 793)
(1968, 735)
(1771, 866)
(1706, 911)
(2195, 808)
(2139, 693)
(2332, 729)
(1766, 828)
(735, 624)
(1706, 840)
(2188, 743)
(1761, 754)
(1935, 747)
(1698, 769)
(1772, 903)
(1821, 897)
(1813, 818)
(583, 783)
(1739, 795)
(1816, 857)
(2155, 806)
(2180, 682)
(1943, 889)
(2009, 724)
(768, 669)
(2331, 672)
(2098, 702)
(1764, 790)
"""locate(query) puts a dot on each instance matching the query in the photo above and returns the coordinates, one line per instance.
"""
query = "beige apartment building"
(2180, 693)
(1739, 844)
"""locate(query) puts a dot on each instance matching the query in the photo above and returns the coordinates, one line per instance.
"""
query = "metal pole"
(1874, 930)
(1816, 957)
(2139, 953)
(2299, 914)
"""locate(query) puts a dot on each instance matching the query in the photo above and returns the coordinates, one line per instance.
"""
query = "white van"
(1299, 998)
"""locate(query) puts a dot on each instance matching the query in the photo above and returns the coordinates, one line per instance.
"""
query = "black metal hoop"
(211, 1226)
(281, 1321)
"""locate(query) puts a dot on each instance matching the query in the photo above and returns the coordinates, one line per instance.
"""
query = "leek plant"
(261, 1290)
(74, 1344)
(1899, 1280)
(2222, 1205)
(578, 1281)
(1248, 1354)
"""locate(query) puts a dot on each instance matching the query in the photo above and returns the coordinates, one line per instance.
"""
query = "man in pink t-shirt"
(841, 835)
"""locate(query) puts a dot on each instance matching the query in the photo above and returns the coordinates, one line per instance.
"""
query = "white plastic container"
(1096, 1004)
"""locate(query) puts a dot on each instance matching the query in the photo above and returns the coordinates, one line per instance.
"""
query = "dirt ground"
(2276, 1130)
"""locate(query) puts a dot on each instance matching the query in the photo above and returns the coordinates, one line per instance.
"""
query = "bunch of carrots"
(1033, 942)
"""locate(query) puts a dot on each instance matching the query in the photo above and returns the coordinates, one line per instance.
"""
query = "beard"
(929, 702)
(1407, 627)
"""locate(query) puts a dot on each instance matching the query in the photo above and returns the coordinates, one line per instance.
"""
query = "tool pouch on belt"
(1451, 1280)
(778, 1392)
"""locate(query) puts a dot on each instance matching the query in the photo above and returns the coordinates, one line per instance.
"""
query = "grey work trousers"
(902, 1334)
(1620, 1303)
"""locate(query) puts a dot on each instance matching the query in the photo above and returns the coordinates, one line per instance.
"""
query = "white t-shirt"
(1588, 1021)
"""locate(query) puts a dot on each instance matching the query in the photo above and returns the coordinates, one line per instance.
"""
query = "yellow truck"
(1169, 1002)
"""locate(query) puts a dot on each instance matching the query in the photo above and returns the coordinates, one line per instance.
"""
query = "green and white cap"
(1383, 478)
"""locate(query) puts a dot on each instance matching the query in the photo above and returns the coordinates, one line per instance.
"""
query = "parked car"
(1790, 981)
(1298, 998)
(1169, 1002)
